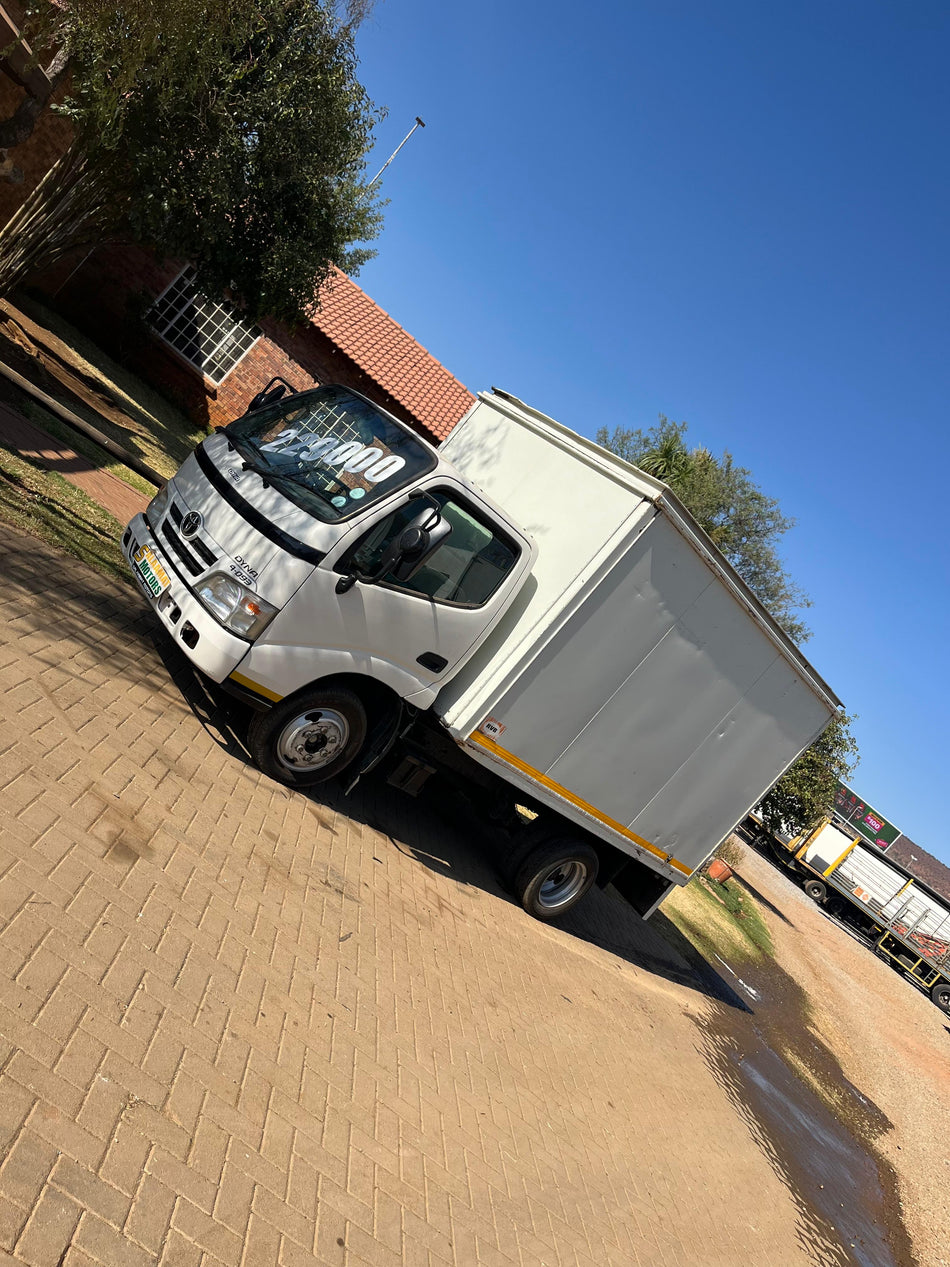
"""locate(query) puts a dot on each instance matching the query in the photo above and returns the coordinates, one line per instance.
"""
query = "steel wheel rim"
(562, 883)
(942, 998)
(313, 739)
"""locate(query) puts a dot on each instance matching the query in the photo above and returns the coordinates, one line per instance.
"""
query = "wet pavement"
(817, 1129)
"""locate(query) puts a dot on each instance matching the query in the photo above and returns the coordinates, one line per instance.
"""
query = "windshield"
(329, 451)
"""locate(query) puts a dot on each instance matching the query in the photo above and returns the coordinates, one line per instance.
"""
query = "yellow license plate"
(151, 571)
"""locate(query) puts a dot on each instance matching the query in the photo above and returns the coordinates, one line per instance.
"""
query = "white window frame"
(220, 325)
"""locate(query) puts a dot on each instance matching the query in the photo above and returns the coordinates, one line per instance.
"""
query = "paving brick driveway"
(244, 1026)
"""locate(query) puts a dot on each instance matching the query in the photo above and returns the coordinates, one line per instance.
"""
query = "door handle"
(430, 660)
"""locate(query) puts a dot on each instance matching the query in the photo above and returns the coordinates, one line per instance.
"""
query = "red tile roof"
(391, 357)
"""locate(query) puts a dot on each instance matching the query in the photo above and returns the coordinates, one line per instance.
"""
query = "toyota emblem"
(191, 524)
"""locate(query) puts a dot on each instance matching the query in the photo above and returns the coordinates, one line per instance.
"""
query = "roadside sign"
(866, 821)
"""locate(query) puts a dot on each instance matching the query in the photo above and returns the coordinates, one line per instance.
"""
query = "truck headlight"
(238, 608)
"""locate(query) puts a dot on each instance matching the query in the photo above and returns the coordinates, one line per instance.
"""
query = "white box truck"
(519, 611)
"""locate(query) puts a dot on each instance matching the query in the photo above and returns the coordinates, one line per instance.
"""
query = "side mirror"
(265, 398)
(407, 552)
(271, 393)
(416, 545)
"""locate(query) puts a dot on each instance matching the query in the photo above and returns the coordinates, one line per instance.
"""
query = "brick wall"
(125, 280)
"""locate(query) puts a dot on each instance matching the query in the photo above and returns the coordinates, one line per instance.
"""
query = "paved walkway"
(103, 487)
(243, 1026)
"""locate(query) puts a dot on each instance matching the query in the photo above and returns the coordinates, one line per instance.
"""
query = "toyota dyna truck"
(518, 612)
(903, 920)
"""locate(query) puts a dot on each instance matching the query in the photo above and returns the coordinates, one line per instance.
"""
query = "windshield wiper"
(267, 469)
(299, 481)
(272, 475)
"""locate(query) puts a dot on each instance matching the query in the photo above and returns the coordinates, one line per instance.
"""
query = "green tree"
(747, 525)
(807, 790)
(231, 133)
(743, 522)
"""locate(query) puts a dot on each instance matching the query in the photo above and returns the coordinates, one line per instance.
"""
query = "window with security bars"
(207, 333)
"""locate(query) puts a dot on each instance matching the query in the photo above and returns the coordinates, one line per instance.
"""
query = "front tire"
(554, 876)
(309, 738)
(941, 995)
(815, 890)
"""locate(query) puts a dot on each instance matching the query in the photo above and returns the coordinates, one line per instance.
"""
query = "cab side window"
(466, 569)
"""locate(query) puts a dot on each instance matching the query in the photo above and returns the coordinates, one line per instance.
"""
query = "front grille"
(195, 556)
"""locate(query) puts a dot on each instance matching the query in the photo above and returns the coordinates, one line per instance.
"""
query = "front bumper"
(212, 649)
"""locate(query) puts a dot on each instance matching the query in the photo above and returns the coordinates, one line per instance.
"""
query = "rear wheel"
(815, 890)
(309, 738)
(554, 876)
(941, 995)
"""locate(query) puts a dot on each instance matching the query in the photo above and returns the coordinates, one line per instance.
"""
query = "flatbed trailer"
(906, 922)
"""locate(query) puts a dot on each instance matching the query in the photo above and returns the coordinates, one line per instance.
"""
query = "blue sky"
(733, 214)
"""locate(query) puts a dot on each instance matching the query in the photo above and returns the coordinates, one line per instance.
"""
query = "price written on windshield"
(352, 456)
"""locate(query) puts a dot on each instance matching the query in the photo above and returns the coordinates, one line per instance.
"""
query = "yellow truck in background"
(905, 922)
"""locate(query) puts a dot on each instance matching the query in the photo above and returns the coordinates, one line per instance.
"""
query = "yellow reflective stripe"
(901, 890)
(837, 862)
(490, 746)
(256, 687)
(806, 837)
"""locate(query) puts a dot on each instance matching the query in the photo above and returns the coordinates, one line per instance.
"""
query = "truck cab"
(320, 559)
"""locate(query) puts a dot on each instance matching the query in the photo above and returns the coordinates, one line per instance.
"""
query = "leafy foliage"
(803, 794)
(742, 521)
(746, 525)
(231, 133)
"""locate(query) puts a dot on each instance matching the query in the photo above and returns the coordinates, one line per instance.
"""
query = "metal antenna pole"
(418, 124)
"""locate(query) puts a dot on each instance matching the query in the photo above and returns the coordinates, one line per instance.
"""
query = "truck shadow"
(443, 833)
(606, 920)
(469, 853)
(762, 900)
(221, 717)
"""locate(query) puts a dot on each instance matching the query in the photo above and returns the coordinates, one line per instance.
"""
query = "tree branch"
(19, 126)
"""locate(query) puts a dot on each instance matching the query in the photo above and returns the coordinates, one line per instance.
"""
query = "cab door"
(423, 627)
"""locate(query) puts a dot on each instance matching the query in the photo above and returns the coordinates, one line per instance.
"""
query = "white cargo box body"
(827, 846)
(890, 892)
(869, 877)
(637, 685)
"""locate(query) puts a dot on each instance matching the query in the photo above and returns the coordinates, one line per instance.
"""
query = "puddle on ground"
(816, 1128)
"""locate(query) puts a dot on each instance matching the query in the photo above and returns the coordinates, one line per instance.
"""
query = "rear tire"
(940, 994)
(815, 890)
(308, 738)
(551, 879)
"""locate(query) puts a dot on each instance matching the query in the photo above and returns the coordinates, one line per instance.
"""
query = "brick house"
(204, 355)
(200, 352)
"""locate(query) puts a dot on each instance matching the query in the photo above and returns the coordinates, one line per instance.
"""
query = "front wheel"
(815, 890)
(941, 995)
(554, 876)
(310, 737)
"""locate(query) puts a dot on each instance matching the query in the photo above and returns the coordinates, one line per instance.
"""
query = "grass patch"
(720, 919)
(75, 440)
(153, 428)
(42, 503)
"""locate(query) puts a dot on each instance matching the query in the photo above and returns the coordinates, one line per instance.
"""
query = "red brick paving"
(103, 487)
(243, 1026)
